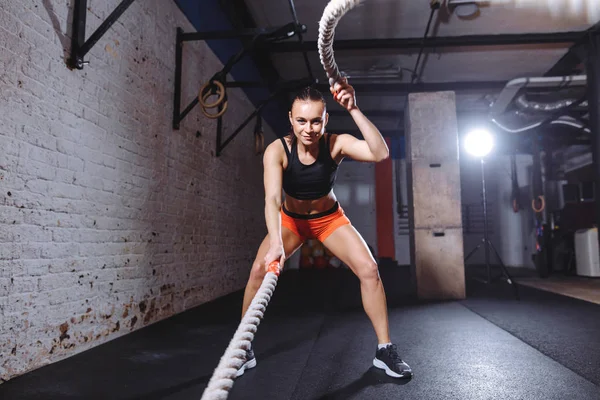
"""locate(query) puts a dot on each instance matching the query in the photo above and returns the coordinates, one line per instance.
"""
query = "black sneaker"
(249, 363)
(389, 360)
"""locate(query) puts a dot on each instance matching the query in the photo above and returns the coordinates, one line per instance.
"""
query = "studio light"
(479, 142)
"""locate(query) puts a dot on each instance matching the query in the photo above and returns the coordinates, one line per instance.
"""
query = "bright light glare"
(479, 142)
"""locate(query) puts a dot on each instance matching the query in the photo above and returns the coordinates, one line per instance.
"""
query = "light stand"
(485, 241)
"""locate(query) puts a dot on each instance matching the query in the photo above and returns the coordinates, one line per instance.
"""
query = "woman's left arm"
(373, 147)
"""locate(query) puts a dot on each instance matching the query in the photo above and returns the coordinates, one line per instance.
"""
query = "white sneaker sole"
(380, 364)
(243, 368)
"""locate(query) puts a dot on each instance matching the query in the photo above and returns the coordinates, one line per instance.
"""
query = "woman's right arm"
(273, 177)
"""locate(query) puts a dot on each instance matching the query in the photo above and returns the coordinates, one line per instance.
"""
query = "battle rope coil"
(333, 12)
(222, 379)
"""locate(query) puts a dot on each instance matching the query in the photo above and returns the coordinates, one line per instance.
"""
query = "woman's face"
(308, 119)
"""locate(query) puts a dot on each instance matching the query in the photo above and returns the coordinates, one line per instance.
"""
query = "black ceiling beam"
(557, 138)
(395, 88)
(392, 113)
(369, 113)
(432, 42)
(356, 132)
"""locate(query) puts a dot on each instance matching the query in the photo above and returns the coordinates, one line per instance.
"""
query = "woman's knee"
(367, 271)
(258, 271)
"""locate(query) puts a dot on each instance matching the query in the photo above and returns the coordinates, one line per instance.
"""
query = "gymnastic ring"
(220, 91)
(515, 206)
(259, 143)
(217, 115)
(543, 204)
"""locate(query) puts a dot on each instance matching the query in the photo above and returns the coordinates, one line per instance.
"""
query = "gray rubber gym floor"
(316, 343)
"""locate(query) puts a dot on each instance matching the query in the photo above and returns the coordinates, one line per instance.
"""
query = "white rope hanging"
(222, 379)
(333, 12)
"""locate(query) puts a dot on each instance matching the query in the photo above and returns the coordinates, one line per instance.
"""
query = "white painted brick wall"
(109, 219)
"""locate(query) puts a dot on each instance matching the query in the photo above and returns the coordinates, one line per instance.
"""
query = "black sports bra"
(309, 182)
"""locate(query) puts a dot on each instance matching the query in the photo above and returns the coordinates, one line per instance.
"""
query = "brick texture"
(110, 220)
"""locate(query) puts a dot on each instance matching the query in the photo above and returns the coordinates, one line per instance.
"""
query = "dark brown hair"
(309, 93)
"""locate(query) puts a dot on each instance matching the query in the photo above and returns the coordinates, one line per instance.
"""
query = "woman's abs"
(308, 207)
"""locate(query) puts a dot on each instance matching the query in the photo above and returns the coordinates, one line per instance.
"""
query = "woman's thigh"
(291, 243)
(347, 244)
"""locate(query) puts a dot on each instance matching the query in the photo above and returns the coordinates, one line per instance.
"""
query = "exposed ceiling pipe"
(560, 121)
(528, 105)
(514, 86)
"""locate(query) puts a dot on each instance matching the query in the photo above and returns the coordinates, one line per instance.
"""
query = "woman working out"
(304, 164)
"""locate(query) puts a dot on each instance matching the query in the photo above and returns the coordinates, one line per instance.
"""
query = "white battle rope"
(234, 357)
(333, 12)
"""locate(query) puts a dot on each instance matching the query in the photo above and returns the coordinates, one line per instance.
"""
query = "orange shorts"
(318, 226)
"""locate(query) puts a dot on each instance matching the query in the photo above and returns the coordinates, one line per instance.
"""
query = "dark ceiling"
(390, 48)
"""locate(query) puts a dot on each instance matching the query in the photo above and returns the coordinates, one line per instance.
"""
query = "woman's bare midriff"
(308, 207)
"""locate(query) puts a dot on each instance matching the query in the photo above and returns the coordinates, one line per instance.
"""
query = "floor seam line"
(309, 354)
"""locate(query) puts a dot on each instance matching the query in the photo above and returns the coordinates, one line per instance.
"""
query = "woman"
(304, 164)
